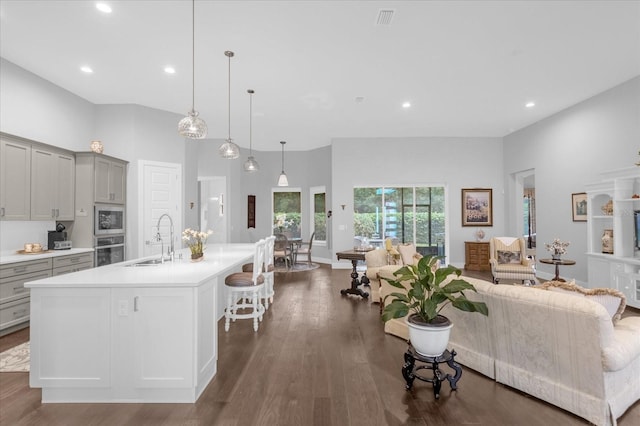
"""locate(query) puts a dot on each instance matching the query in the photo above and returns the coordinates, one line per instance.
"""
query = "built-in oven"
(108, 219)
(109, 249)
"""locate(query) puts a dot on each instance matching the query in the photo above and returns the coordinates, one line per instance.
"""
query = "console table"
(410, 370)
(565, 262)
(476, 256)
(354, 256)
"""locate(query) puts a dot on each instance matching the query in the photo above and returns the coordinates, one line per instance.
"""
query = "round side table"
(565, 262)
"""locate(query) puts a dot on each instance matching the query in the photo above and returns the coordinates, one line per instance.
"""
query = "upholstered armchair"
(509, 261)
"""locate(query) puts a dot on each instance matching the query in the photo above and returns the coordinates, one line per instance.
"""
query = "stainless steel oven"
(108, 219)
(109, 249)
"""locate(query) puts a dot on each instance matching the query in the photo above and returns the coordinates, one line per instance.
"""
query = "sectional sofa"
(562, 349)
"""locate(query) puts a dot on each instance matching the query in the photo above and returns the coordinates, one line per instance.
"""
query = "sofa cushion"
(613, 300)
(505, 256)
(407, 252)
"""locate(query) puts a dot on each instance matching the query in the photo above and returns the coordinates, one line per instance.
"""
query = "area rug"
(15, 360)
(297, 267)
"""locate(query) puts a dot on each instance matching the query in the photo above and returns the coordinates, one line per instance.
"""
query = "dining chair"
(244, 291)
(282, 250)
(305, 249)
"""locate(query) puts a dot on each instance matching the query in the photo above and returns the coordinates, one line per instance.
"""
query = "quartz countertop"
(218, 260)
(17, 257)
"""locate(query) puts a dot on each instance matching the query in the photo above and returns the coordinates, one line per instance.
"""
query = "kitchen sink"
(149, 262)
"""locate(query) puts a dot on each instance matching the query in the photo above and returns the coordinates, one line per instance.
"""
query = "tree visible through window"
(319, 214)
(286, 213)
(406, 214)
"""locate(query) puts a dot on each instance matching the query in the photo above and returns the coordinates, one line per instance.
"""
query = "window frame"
(313, 191)
(285, 189)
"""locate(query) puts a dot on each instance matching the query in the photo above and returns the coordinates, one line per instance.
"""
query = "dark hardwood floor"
(319, 358)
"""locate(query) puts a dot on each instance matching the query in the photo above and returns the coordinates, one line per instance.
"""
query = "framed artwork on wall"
(579, 206)
(477, 207)
(251, 211)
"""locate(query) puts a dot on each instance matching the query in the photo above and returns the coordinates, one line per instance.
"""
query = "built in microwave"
(108, 219)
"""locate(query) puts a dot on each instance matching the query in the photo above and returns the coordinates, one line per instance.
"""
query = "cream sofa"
(563, 349)
(379, 259)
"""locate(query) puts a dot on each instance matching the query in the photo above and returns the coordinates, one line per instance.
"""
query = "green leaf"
(467, 305)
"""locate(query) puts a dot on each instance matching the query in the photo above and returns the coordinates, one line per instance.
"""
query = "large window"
(286, 212)
(405, 214)
(319, 214)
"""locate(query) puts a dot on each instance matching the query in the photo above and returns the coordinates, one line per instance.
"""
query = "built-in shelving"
(620, 269)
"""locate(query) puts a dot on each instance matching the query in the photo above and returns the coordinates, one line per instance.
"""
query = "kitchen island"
(124, 333)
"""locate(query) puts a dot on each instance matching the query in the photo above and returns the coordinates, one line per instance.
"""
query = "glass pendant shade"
(229, 150)
(282, 180)
(192, 126)
(251, 165)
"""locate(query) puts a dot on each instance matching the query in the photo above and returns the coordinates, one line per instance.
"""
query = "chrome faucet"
(170, 249)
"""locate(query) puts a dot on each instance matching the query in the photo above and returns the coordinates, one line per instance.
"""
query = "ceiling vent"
(385, 16)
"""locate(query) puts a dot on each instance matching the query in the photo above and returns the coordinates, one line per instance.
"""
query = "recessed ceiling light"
(86, 69)
(406, 105)
(359, 99)
(530, 104)
(103, 7)
(170, 70)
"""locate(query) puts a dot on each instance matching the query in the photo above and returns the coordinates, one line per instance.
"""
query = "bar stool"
(244, 291)
(267, 270)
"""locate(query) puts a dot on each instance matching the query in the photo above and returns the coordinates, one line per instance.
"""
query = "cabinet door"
(101, 189)
(117, 182)
(163, 337)
(43, 184)
(65, 182)
(15, 181)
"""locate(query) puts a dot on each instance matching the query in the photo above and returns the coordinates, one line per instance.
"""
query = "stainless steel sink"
(149, 262)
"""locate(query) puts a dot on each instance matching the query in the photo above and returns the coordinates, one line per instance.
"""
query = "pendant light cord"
(229, 55)
(193, 55)
(282, 155)
(250, 122)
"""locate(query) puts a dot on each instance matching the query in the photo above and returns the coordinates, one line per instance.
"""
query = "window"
(405, 214)
(318, 211)
(286, 212)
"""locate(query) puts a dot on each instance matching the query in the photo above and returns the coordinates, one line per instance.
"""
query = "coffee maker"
(57, 240)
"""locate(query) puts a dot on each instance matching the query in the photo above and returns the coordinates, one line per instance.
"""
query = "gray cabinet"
(14, 297)
(15, 180)
(52, 184)
(109, 181)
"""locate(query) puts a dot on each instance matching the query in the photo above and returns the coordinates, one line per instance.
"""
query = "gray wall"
(567, 151)
(455, 163)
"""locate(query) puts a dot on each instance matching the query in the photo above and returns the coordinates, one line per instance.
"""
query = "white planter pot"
(430, 339)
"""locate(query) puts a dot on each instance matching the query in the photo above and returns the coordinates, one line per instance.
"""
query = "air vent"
(385, 16)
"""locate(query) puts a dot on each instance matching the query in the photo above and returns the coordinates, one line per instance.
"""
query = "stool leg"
(227, 313)
(255, 310)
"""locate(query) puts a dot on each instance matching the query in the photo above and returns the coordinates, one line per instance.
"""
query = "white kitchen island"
(123, 333)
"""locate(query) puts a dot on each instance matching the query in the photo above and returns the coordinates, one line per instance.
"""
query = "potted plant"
(196, 241)
(428, 290)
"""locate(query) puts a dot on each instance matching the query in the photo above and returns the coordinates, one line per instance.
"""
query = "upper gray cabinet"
(15, 180)
(52, 184)
(108, 177)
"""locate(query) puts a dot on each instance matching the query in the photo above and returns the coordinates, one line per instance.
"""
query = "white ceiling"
(467, 67)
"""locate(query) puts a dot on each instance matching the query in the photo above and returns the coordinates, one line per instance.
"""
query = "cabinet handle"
(57, 212)
(19, 290)
(2, 211)
(135, 304)
(74, 260)
(53, 212)
(21, 312)
(19, 269)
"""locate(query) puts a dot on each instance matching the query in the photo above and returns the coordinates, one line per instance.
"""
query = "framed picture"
(477, 207)
(251, 211)
(579, 206)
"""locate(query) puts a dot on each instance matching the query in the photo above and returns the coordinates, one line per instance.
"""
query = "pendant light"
(282, 180)
(192, 126)
(229, 149)
(251, 165)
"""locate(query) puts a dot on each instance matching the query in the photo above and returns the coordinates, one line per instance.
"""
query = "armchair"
(305, 249)
(509, 261)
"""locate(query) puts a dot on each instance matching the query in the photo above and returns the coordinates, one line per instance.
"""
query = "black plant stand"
(410, 369)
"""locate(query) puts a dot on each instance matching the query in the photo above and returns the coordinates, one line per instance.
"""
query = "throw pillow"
(406, 253)
(505, 257)
(613, 300)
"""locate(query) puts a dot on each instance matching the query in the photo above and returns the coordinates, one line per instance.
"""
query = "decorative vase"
(429, 339)
(96, 146)
(607, 241)
(556, 256)
(197, 257)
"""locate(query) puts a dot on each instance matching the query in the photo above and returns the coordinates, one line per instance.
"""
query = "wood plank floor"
(319, 358)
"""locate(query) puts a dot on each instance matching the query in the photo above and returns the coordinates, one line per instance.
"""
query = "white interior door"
(161, 193)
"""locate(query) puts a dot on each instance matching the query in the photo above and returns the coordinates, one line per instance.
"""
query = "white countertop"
(16, 257)
(219, 259)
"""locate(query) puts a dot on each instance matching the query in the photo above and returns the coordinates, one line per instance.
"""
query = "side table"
(410, 369)
(565, 262)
